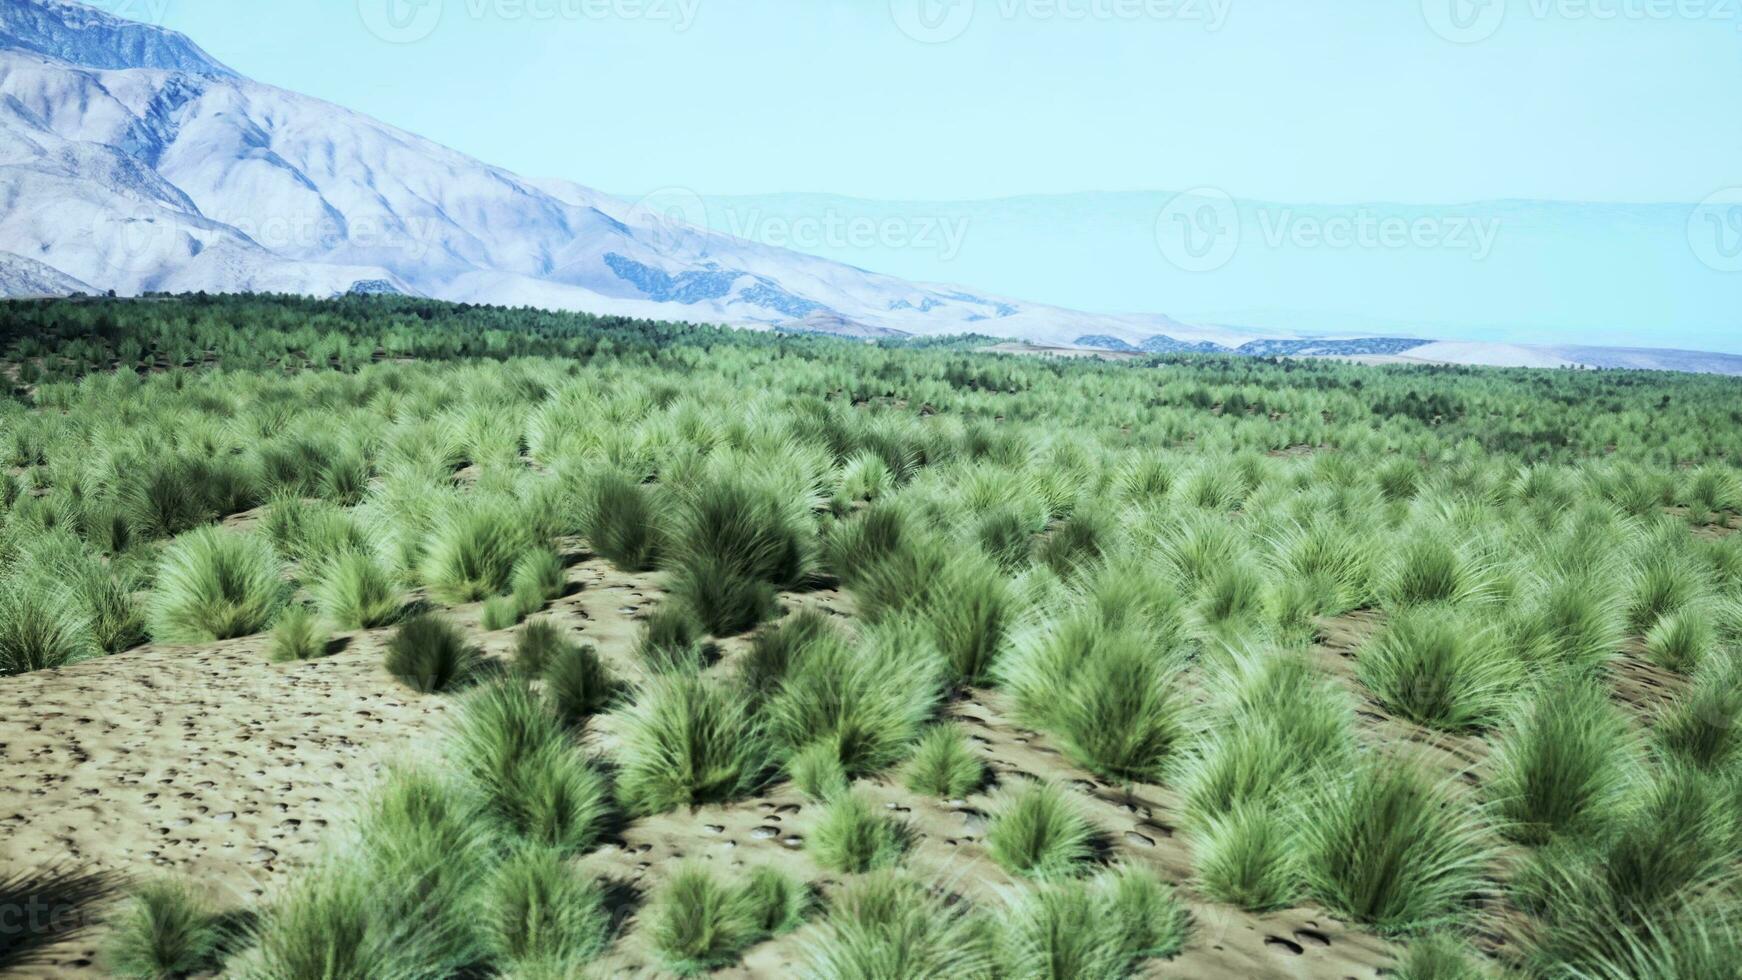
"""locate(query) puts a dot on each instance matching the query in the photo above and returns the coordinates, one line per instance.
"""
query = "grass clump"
(535, 784)
(1387, 847)
(870, 702)
(500, 613)
(774, 651)
(1038, 831)
(541, 916)
(1681, 641)
(165, 931)
(430, 655)
(817, 771)
(299, 635)
(734, 546)
(943, 766)
(774, 903)
(1703, 727)
(887, 925)
(576, 682)
(1435, 666)
(622, 522)
(1247, 857)
(213, 584)
(1098, 929)
(1438, 956)
(1563, 763)
(698, 923)
(686, 741)
(852, 838)
(535, 646)
(40, 629)
(355, 591)
(538, 577)
(339, 922)
(671, 640)
(470, 551)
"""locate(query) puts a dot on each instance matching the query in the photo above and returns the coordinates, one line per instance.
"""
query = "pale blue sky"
(1294, 100)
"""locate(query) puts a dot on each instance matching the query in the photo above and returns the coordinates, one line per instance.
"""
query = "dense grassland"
(1159, 565)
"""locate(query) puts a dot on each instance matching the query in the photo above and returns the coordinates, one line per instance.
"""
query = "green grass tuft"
(852, 838)
(214, 585)
(887, 925)
(817, 771)
(165, 931)
(685, 741)
(40, 628)
(1562, 764)
(671, 640)
(697, 924)
(944, 766)
(299, 634)
(541, 915)
(1438, 667)
(577, 683)
(430, 655)
(1248, 857)
(355, 591)
(622, 522)
(535, 783)
(1038, 831)
(500, 613)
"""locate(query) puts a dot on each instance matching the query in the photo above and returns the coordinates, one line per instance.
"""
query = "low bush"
(687, 740)
(1038, 831)
(697, 923)
(213, 584)
(164, 931)
(1437, 667)
(1562, 764)
(852, 838)
(943, 766)
(355, 591)
(299, 635)
(542, 917)
(1387, 847)
(430, 655)
(887, 925)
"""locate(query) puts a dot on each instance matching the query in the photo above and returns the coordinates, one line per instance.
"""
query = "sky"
(754, 106)
(1425, 101)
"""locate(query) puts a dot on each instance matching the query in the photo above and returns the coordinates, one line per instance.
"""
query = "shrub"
(356, 592)
(1437, 956)
(686, 741)
(1563, 763)
(817, 771)
(1246, 857)
(943, 766)
(887, 925)
(1436, 667)
(621, 522)
(298, 635)
(500, 613)
(1039, 832)
(165, 931)
(1680, 641)
(538, 577)
(470, 552)
(540, 914)
(774, 903)
(697, 923)
(870, 703)
(577, 682)
(334, 925)
(214, 585)
(1101, 928)
(429, 654)
(40, 628)
(671, 640)
(852, 838)
(535, 784)
(1108, 694)
(1386, 847)
(1703, 727)
(774, 651)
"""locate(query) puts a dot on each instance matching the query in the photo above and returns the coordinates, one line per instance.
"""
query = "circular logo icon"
(1464, 21)
(400, 21)
(1715, 230)
(1199, 230)
(670, 217)
(932, 21)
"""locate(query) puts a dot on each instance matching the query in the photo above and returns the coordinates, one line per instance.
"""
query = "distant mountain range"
(133, 161)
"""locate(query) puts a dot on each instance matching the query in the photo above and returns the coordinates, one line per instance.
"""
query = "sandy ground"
(214, 764)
